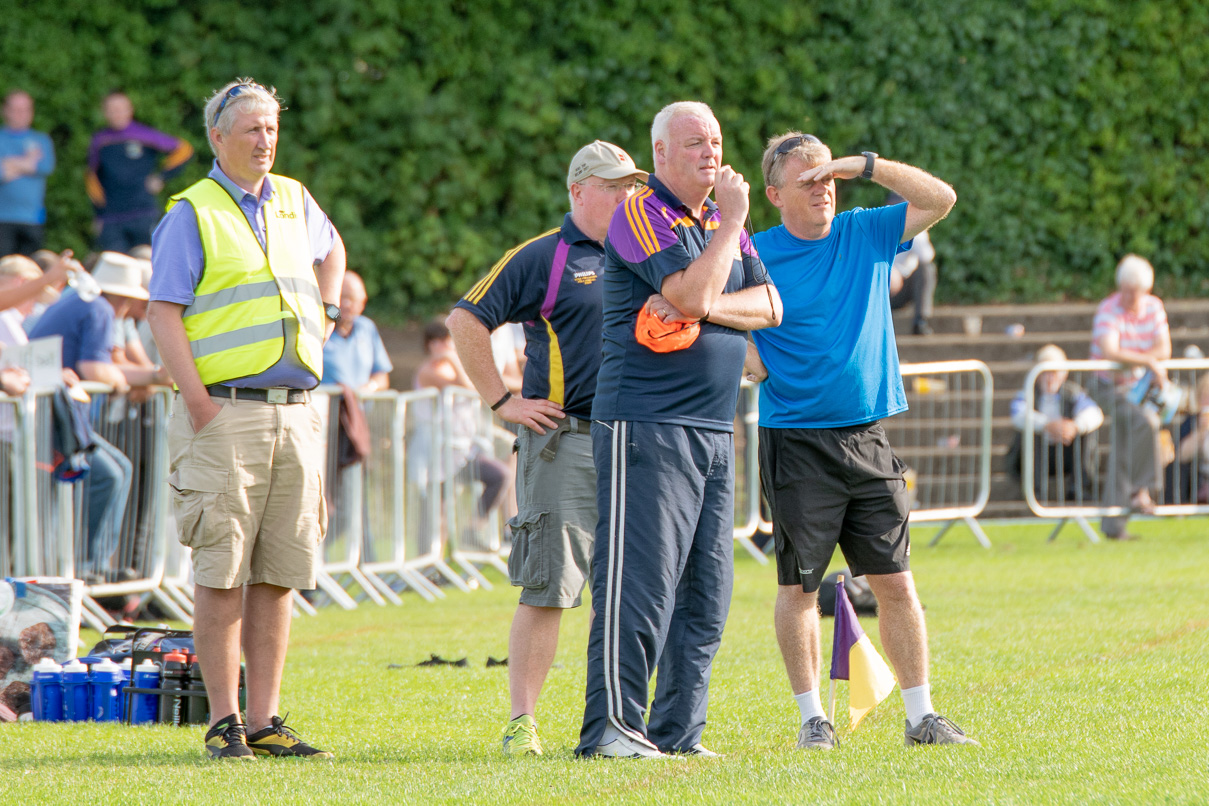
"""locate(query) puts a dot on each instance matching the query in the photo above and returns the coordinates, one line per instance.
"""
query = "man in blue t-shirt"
(27, 157)
(662, 439)
(355, 355)
(832, 373)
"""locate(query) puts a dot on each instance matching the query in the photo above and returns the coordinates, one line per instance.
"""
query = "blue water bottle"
(48, 691)
(145, 707)
(106, 680)
(125, 666)
(77, 692)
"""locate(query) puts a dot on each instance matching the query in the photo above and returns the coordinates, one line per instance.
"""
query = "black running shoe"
(280, 740)
(228, 739)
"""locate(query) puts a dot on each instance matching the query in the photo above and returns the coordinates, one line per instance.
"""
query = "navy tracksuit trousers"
(662, 573)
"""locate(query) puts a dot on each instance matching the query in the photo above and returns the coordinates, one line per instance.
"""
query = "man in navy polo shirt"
(826, 468)
(662, 435)
(551, 284)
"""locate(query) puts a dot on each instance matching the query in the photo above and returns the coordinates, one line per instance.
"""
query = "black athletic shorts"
(834, 485)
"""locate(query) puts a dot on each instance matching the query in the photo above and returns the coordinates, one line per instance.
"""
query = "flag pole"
(831, 683)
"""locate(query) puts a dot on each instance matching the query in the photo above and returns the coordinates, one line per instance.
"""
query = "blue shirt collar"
(238, 193)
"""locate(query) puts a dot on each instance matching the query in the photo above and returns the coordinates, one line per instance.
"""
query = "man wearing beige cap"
(551, 284)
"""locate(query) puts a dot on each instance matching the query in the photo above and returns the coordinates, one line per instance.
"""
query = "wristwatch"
(332, 311)
(869, 156)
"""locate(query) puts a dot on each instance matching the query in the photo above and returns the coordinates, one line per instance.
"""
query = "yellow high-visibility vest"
(236, 324)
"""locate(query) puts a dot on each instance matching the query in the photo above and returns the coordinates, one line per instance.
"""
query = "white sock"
(918, 702)
(809, 704)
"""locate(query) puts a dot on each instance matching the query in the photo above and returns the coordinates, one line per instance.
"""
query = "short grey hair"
(811, 151)
(1135, 271)
(663, 120)
(252, 97)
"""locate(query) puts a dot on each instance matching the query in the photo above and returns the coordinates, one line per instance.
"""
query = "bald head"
(352, 298)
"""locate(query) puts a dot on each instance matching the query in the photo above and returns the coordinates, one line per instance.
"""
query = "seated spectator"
(1131, 328)
(86, 327)
(1065, 422)
(355, 355)
(21, 286)
(913, 278)
(472, 459)
(1187, 478)
(16, 271)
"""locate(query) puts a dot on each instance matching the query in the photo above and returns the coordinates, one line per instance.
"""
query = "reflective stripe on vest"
(236, 323)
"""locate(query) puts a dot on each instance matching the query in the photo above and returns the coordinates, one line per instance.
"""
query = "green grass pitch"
(1082, 669)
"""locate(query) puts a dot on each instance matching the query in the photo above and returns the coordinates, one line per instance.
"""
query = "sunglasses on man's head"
(793, 142)
(234, 92)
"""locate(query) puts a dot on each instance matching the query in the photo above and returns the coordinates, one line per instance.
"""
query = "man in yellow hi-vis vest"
(245, 266)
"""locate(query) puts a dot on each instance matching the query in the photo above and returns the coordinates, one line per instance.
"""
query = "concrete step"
(1050, 317)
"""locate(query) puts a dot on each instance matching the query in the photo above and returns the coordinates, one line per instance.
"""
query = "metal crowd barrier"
(945, 440)
(747, 470)
(473, 450)
(1158, 443)
(49, 531)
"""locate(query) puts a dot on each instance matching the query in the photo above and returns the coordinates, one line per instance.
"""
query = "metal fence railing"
(422, 509)
(1142, 435)
(945, 440)
(748, 520)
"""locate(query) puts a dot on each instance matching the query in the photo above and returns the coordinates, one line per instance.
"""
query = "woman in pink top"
(1131, 328)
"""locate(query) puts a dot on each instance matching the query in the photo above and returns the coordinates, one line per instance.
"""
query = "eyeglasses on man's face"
(612, 187)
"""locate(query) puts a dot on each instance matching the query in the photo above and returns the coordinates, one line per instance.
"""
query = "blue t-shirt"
(652, 235)
(86, 328)
(560, 311)
(352, 359)
(833, 361)
(21, 200)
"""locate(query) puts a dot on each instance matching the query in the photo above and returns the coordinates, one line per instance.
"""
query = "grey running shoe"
(817, 734)
(936, 729)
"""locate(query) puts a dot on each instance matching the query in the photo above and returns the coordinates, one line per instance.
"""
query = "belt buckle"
(279, 396)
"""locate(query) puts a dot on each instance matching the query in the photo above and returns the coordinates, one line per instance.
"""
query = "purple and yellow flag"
(854, 658)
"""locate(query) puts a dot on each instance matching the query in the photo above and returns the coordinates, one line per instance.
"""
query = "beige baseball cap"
(604, 160)
(120, 275)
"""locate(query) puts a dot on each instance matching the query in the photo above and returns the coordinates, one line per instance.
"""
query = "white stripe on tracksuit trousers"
(668, 498)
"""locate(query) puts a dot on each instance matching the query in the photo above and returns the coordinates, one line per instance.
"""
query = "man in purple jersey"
(663, 442)
(125, 174)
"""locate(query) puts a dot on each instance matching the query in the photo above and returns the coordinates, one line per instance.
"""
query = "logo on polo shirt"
(585, 277)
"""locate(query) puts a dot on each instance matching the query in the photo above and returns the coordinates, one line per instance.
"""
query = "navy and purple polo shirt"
(551, 285)
(652, 235)
(119, 162)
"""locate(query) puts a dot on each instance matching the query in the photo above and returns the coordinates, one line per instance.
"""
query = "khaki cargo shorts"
(555, 526)
(247, 493)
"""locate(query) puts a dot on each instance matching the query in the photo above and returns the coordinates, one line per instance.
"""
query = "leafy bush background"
(436, 135)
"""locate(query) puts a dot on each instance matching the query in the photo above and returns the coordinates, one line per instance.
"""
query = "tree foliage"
(436, 135)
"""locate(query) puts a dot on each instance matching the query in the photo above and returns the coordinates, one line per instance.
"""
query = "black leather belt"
(276, 395)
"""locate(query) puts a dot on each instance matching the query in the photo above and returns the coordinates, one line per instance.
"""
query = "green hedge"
(437, 135)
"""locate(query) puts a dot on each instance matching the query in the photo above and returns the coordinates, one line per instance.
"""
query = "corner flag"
(853, 658)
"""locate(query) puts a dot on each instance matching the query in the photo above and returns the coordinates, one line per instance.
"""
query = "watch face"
(332, 311)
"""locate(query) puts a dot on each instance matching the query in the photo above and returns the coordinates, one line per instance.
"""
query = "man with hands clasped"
(662, 439)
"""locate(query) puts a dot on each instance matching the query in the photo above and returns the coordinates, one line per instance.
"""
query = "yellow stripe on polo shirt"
(480, 288)
(640, 225)
(557, 387)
